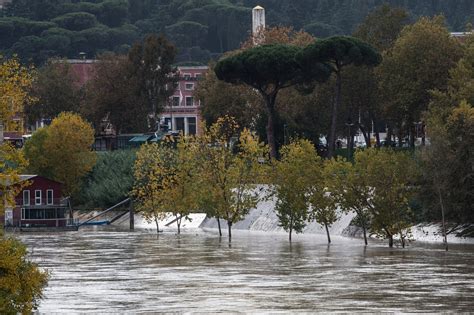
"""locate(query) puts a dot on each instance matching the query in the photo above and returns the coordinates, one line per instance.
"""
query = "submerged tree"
(338, 52)
(346, 183)
(149, 173)
(292, 180)
(391, 177)
(230, 167)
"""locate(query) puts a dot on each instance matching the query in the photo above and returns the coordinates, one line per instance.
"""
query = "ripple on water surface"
(112, 271)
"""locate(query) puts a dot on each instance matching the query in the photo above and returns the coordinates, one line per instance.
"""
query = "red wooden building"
(39, 204)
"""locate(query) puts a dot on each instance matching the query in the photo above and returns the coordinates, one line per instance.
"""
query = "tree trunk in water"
(229, 225)
(219, 226)
(390, 241)
(332, 131)
(178, 223)
(327, 232)
(402, 239)
(442, 218)
(365, 235)
(157, 226)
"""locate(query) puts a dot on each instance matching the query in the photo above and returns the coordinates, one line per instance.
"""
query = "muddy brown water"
(102, 270)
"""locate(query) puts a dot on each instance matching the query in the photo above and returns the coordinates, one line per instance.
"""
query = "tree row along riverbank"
(264, 219)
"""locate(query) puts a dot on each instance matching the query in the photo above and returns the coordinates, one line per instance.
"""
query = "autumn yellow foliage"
(15, 82)
(21, 281)
(63, 151)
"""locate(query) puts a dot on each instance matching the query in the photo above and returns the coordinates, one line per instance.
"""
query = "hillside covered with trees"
(38, 30)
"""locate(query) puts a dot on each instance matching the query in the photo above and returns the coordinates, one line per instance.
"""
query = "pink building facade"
(182, 112)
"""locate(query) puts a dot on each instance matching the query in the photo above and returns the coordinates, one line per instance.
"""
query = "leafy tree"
(293, 178)
(345, 182)
(22, 282)
(113, 12)
(55, 90)
(268, 69)
(419, 61)
(390, 176)
(338, 52)
(114, 93)
(219, 99)
(63, 151)
(229, 178)
(12, 162)
(15, 82)
(448, 164)
(382, 26)
(324, 206)
(182, 181)
(153, 61)
(150, 176)
(76, 21)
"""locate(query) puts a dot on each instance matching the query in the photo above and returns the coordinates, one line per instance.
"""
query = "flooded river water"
(127, 272)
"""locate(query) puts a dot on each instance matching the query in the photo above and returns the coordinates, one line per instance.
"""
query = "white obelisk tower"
(258, 23)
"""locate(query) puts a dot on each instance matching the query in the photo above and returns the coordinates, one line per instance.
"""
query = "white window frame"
(38, 197)
(27, 199)
(23, 213)
(198, 75)
(48, 201)
(191, 86)
(188, 75)
(186, 101)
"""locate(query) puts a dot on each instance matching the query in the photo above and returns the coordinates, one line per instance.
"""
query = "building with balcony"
(182, 112)
(39, 204)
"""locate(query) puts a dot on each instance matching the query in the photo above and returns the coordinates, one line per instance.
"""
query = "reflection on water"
(110, 271)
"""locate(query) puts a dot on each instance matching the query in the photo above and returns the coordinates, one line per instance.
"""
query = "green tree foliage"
(228, 179)
(382, 26)
(390, 176)
(12, 162)
(152, 62)
(219, 99)
(76, 21)
(114, 93)
(149, 172)
(62, 151)
(54, 90)
(347, 186)
(447, 161)
(293, 178)
(268, 69)
(221, 24)
(338, 52)
(110, 181)
(418, 62)
(21, 281)
(448, 165)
